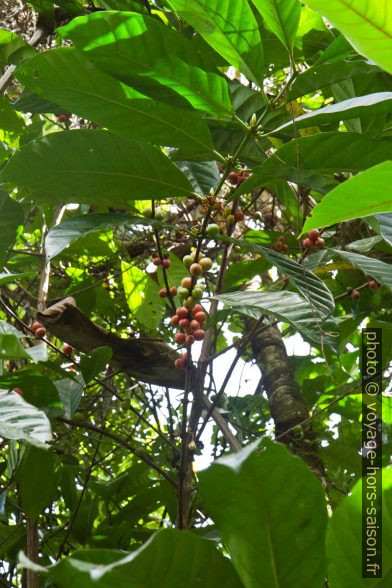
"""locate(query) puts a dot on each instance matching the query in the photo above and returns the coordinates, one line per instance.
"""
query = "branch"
(148, 360)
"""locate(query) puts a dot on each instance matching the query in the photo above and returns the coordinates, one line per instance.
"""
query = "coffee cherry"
(175, 320)
(187, 260)
(193, 255)
(373, 284)
(355, 294)
(197, 308)
(230, 219)
(166, 263)
(199, 335)
(163, 293)
(182, 312)
(239, 216)
(189, 302)
(37, 325)
(308, 243)
(181, 361)
(200, 316)
(314, 234)
(212, 230)
(233, 177)
(63, 117)
(67, 349)
(147, 212)
(196, 269)
(206, 264)
(179, 338)
(194, 325)
(183, 292)
(197, 294)
(186, 283)
(18, 391)
(41, 332)
(173, 291)
(184, 323)
(284, 248)
(157, 261)
(189, 340)
(319, 242)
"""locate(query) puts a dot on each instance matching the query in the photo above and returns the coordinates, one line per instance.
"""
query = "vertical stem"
(32, 578)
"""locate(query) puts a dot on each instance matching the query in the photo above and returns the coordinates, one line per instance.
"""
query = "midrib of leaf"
(365, 18)
(282, 28)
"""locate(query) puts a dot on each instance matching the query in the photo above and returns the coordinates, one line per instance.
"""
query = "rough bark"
(147, 360)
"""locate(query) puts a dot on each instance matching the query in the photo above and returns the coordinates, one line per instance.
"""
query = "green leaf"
(169, 559)
(275, 531)
(379, 270)
(360, 196)
(10, 278)
(203, 176)
(243, 271)
(94, 166)
(38, 476)
(21, 420)
(37, 388)
(344, 544)
(64, 76)
(70, 230)
(319, 76)
(94, 362)
(347, 109)
(11, 216)
(230, 28)
(281, 17)
(367, 25)
(285, 306)
(13, 49)
(142, 295)
(385, 224)
(70, 392)
(126, 45)
(319, 155)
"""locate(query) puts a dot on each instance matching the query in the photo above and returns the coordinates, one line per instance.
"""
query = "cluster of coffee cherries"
(237, 177)
(39, 330)
(313, 240)
(355, 294)
(280, 245)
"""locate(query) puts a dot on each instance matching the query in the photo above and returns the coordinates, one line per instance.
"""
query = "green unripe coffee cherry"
(206, 264)
(183, 292)
(212, 230)
(197, 293)
(147, 212)
(187, 260)
(193, 255)
(189, 302)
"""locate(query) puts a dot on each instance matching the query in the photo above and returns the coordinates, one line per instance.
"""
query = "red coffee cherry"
(173, 291)
(196, 308)
(157, 261)
(196, 269)
(175, 320)
(194, 325)
(41, 332)
(181, 361)
(18, 391)
(166, 263)
(239, 216)
(200, 316)
(199, 335)
(233, 177)
(373, 284)
(67, 349)
(189, 340)
(184, 323)
(37, 325)
(355, 294)
(314, 234)
(163, 293)
(308, 243)
(179, 338)
(182, 312)
(186, 283)
(319, 242)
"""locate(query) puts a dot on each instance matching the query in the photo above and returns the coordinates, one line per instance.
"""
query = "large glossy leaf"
(66, 77)
(366, 24)
(285, 306)
(385, 224)
(171, 558)
(21, 420)
(94, 166)
(230, 28)
(70, 230)
(272, 525)
(379, 270)
(142, 295)
(362, 195)
(13, 49)
(307, 158)
(203, 176)
(344, 544)
(70, 392)
(125, 44)
(281, 17)
(344, 110)
(11, 216)
(38, 476)
(319, 76)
